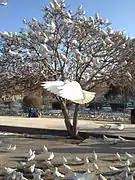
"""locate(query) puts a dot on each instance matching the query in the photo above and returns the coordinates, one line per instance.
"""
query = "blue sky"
(121, 13)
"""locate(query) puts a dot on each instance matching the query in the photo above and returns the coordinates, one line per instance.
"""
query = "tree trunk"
(72, 129)
(75, 129)
(66, 118)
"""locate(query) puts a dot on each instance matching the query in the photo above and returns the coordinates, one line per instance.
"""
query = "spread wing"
(87, 97)
(71, 91)
(52, 86)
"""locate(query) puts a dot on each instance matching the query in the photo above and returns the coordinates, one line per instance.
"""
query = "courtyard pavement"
(87, 126)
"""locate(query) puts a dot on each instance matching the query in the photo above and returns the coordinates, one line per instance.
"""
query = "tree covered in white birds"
(65, 45)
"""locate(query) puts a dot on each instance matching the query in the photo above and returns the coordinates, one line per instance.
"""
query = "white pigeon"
(87, 160)
(78, 159)
(118, 156)
(67, 167)
(114, 168)
(102, 177)
(32, 156)
(48, 163)
(128, 163)
(37, 176)
(86, 176)
(51, 156)
(31, 168)
(95, 155)
(110, 140)
(65, 90)
(64, 159)
(20, 176)
(11, 148)
(130, 177)
(29, 153)
(3, 2)
(121, 139)
(128, 155)
(45, 149)
(39, 171)
(57, 173)
(9, 170)
(127, 169)
(12, 53)
(95, 166)
(120, 126)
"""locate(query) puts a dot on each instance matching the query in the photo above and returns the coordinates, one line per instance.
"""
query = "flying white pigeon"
(65, 90)
(3, 2)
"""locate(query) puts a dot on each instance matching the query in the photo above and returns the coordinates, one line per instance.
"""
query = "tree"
(65, 45)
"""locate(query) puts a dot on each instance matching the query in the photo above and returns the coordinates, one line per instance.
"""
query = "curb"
(54, 132)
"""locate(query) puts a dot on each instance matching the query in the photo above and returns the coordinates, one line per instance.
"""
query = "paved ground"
(57, 123)
(64, 147)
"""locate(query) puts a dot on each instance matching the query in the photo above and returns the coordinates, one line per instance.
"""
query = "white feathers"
(67, 167)
(57, 173)
(78, 159)
(52, 27)
(102, 177)
(34, 19)
(45, 149)
(9, 170)
(29, 153)
(118, 156)
(95, 155)
(12, 53)
(3, 2)
(31, 168)
(44, 47)
(75, 43)
(120, 126)
(11, 148)
(65, 90)
(51, 156)
(129, 75)
(114, 168)
(32, 156)
(64, 160)
(128, 155)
